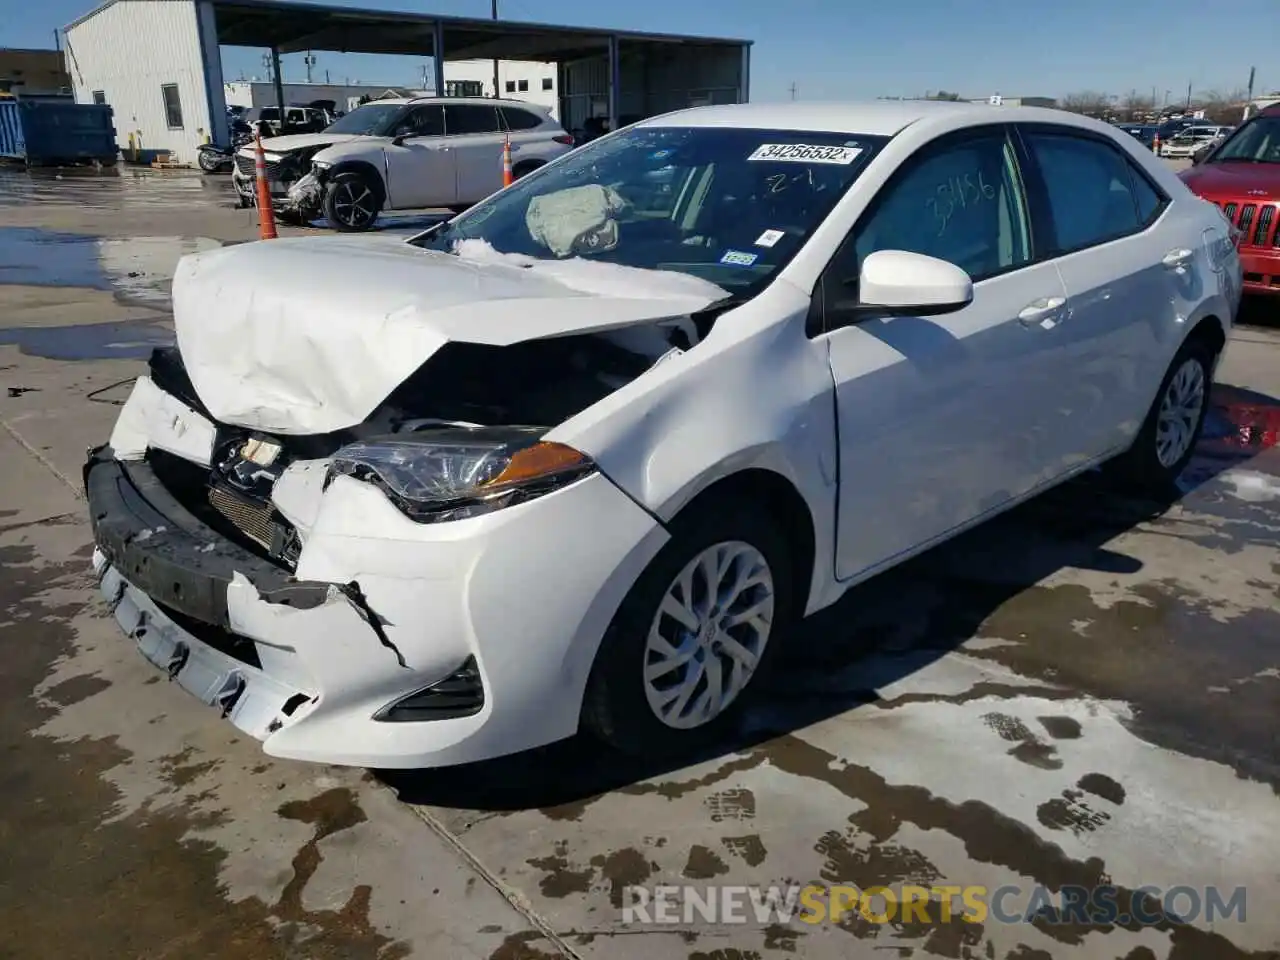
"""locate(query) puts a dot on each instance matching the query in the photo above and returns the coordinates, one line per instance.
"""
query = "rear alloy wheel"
(1167, 441)
(693, 637)
(350, 203)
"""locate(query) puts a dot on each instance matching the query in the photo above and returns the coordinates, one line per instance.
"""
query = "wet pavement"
(1083, 693)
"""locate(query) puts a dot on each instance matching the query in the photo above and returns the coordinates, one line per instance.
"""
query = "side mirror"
(399, 139)
(898, 282)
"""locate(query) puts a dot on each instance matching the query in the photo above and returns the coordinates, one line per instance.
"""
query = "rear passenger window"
(1091, 190)
(464, 118)
(517, 119)
(1150, 203)
(960, 202)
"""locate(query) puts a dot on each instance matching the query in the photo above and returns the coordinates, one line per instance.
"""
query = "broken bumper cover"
(384, 608)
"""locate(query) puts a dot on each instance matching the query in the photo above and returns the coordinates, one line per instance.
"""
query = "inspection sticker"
(738, 258)
(805, 153)
(769, 238)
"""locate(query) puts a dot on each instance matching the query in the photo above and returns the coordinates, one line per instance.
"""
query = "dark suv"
(1242, 176)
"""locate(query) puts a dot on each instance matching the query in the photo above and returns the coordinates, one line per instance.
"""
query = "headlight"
(272, 157)
(321, 164)
(454, 473)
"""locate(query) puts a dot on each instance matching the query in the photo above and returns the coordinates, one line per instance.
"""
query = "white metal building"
(157, 62)
(517, 80)
(526, 80)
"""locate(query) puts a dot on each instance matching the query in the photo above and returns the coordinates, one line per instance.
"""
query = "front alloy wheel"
(691, 641)
(708, 634)
(350, 203)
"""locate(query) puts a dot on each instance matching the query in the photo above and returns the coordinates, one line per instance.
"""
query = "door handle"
(1045, 312)
(1178, 259)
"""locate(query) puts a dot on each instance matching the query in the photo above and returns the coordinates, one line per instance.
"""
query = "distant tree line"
(1222, 107)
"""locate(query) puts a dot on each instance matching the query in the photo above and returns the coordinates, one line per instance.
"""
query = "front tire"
(694, 636)
(351, 202)
(1167, 441)
(209, 162)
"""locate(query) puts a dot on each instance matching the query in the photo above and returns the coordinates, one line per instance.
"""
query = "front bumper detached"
(396, 644)
(192, 601)
(292, 193)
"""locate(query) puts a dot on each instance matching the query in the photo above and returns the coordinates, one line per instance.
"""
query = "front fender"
(755, 394)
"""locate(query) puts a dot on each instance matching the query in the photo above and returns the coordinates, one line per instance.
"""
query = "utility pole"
(793, 89)
(1248, 97)
(57, 44)
(496, 92)
(310, 61)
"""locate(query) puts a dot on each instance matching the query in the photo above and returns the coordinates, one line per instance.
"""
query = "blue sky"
(836, 49)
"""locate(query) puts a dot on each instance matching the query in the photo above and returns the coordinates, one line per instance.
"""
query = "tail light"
(565, 138)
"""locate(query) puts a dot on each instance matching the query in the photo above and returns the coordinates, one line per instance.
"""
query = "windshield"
(370, 120)
(1258, 141)
(726, 204)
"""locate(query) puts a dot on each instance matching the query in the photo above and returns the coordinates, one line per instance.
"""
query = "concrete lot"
(1085, 691)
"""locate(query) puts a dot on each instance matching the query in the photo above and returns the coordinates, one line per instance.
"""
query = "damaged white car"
(578, 458)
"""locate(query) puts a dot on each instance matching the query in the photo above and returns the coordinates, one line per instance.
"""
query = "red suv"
(1242, 176)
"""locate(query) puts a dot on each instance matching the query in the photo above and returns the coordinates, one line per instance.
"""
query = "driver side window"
(960, 201)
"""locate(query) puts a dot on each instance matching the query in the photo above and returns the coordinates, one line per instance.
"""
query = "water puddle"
(136, 269)
(1241, 423)
(126, 340)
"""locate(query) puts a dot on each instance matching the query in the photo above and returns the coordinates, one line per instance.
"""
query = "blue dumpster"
(42, 132)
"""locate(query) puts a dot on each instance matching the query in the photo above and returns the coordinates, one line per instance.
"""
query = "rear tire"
(651, 689)
(1167, 440)
(351, 202)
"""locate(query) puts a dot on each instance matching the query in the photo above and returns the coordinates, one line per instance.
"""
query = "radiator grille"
(1258, 224)
(255, 521)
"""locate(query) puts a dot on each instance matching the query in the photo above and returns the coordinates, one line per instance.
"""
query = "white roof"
(482, 101)
(873, 118)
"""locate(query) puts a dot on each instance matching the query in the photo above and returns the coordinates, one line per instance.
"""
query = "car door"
(422, 166)
(476, 137)
(939, 417)
(1121, 275)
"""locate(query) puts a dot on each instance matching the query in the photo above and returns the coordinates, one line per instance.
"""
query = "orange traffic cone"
(1155, 145)
(507, 178)
(266, 215)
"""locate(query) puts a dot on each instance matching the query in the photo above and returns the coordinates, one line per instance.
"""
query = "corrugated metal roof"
(310, 26)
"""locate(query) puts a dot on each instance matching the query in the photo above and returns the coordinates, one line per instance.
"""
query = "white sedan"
(1188, 142)
(580, 458)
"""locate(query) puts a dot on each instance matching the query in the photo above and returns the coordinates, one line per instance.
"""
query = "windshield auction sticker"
(805, 153)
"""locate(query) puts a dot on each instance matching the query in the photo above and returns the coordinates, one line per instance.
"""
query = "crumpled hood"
(310, 335)
(298, 141)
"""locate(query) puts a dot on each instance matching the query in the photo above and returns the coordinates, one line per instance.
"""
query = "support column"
(275, 73)
(437, 55)
(211, 64)
(744, 79)
(615, 82)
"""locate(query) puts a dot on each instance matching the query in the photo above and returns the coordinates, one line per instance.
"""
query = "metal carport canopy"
(293, 27)
(287, 26)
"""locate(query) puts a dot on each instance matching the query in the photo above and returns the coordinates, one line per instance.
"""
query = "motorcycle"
(213, 157)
